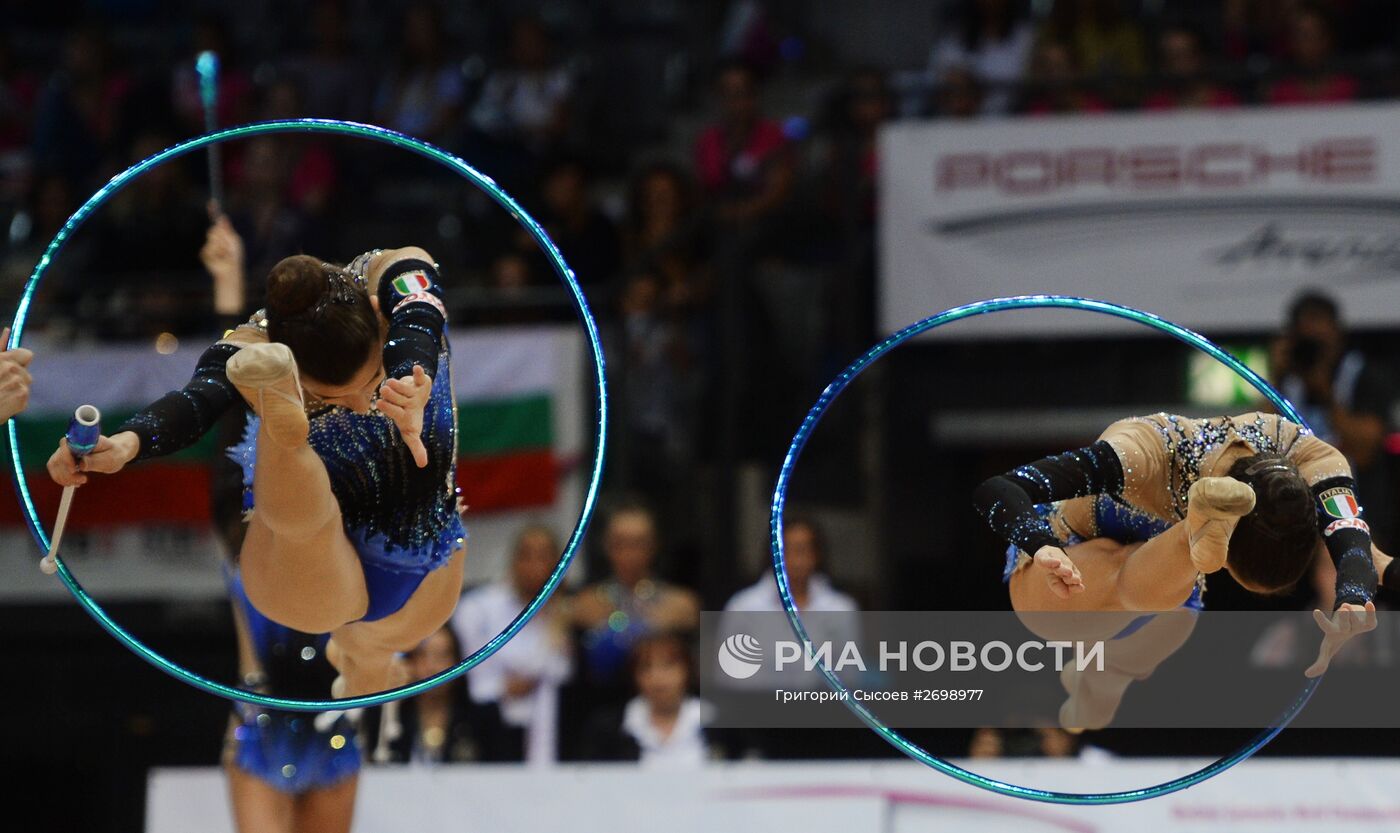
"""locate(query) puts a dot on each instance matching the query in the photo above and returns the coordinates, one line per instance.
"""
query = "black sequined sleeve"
(412, 299)
(1342, 523)
(178, 419)
(1008, 501)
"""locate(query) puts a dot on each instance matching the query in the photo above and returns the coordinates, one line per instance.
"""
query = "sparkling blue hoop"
(893, 737)
(399, 140)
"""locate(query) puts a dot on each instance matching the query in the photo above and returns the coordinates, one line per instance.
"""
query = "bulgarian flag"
(508, 384)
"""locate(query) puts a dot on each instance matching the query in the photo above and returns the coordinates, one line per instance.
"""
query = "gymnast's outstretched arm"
(1008, 501)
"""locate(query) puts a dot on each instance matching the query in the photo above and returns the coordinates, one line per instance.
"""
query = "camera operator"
(1343, 395)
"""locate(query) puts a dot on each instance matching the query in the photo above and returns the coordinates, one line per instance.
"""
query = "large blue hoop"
(485, 183)
(893, 737)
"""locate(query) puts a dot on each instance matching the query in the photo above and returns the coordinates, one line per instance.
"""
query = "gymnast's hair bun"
(294, 286)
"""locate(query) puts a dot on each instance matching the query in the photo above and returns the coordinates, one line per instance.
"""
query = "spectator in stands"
(424, 92)
(664, 234)
(19, 89)
(633, 602)
(522, 680)
(664, 725)
(328, 74)
(439, 726)
(990, 40)
(258, 204)
(1055, 87)
(743, 161)
(1182, 65)
(1345, 397)
(960, 94)
(235, 88)
(528, 99)
(851, 164)
(311, 165)
(143, 242)
(1106, 43)
(577, 226)
(658, 361)
(80, 122)
(1256, 29)
(1315, 79)
(804, 548)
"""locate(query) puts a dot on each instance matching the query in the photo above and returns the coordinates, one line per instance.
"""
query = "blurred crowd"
(1093, 56)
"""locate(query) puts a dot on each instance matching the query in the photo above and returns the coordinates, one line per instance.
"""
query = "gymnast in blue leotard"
(287, 770)
(1126, 529)
(349, 459)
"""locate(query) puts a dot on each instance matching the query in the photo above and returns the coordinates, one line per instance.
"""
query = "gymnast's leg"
(326, 810)
(1156, 575)
(364, 652)
(298, 567)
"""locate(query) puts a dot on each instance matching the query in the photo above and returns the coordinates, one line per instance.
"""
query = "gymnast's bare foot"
(1214, 505)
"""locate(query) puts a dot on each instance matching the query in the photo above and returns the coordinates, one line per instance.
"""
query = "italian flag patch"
(1340, 503)
(411, 282)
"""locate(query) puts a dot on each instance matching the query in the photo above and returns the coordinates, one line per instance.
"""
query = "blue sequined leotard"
(402, 520)
(294, 752)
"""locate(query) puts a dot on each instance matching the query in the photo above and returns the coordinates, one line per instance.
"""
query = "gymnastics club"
(207, 67)
(82, 436)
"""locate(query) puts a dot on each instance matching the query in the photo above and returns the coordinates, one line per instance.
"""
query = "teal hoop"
(893, 737)
(399, 140)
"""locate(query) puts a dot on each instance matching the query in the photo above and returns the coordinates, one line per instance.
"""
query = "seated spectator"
(527, 99)
(1314, 80)
(522, 680)
(1056, 87)
(235, 88)
(743, 161)
(439, 726)
(632, 603)
(328, 73)
(658, 359)
(19, 88)
(311, 165)
(804, 549)
(992, 42)
(960, 94)
(851, 164)
(1255, 29)
(424, 92)
(664, 235)
(1181, 62)
(81, 120)
(664, 725)
(577, 226)
(1103, 40)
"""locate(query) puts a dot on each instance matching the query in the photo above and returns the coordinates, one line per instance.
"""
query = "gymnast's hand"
(403, 401)
(107, 457)
(1060, 571)
(1349, 620)
(14, 378)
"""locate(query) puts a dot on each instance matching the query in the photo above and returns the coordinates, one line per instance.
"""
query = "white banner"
(1210, 219)
(893, 797)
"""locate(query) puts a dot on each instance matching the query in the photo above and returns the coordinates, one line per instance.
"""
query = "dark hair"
(662, 641)
(1273, 546)
(1313, 302)
(316, 309)
(799, 520)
